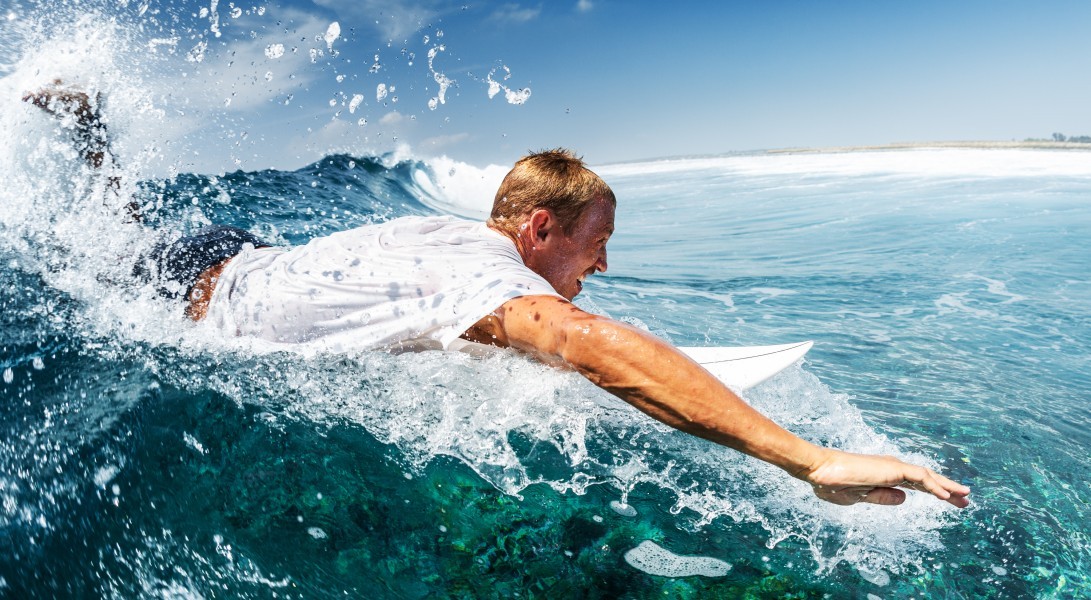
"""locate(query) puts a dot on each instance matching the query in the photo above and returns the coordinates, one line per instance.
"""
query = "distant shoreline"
(1025, 145)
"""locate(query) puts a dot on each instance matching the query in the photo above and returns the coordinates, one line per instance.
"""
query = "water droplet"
(274, 50)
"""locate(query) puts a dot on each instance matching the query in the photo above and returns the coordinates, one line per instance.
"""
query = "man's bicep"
(538, 324)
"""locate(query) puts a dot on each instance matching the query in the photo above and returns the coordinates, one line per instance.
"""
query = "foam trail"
(656, 560)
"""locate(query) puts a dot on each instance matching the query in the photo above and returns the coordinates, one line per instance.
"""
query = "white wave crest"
(456, 187)
(924, 162)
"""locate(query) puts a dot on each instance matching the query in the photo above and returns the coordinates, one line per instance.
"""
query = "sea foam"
(656, 560)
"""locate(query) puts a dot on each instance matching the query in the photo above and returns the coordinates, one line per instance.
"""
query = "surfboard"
(743, 367)
(739, 367)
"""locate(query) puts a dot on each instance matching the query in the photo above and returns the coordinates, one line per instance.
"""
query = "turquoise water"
(947, 292)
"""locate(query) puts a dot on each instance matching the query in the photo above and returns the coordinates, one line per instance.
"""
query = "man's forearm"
(659, 380)
(669, 386)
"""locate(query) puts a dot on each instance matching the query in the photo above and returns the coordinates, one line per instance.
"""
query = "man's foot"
(62, 100)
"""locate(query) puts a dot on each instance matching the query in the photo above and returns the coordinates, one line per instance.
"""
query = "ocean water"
(947, 292)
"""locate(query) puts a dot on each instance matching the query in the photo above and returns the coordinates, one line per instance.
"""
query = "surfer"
(430, 281)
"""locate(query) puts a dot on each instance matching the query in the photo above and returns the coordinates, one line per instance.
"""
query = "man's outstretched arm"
(667, 385)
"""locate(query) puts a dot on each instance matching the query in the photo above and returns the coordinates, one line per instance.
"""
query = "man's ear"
(542, 223)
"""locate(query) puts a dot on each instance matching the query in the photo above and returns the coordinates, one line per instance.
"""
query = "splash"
(519, 96)
(490, 414)
(441, 80)
(332, 33)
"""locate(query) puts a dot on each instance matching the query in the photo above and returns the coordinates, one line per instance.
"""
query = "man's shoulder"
(433, 236)
(418, 223)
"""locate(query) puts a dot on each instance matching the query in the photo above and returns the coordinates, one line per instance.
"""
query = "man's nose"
(600, 264)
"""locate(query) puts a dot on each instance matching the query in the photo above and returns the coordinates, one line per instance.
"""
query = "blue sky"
(615, 80)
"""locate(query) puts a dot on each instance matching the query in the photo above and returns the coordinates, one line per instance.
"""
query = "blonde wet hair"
(557, 180)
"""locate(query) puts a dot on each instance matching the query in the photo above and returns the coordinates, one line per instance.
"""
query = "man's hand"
(844, 478)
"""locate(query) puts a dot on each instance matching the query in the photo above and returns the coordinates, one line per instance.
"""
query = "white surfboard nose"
(739, 367)
(743, 367)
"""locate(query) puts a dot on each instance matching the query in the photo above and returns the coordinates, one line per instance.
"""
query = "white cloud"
(335, 136)
(395, 19)
(234, 80)
(584, 5)
(441, 142)
(513, 13)
(392, 118)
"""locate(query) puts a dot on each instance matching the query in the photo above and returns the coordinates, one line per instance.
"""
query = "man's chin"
(569, 292)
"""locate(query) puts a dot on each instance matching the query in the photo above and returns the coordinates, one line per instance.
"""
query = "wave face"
(142, 456)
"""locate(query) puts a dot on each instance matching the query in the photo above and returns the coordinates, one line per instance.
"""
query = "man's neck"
(515, 239)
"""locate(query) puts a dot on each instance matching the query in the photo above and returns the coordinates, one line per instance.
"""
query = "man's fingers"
(956, 489)
(884, 495)
(940, 487)
(872, 495)
(843, 497)
(956, 492)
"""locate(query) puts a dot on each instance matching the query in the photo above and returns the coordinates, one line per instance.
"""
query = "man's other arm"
(667, 385)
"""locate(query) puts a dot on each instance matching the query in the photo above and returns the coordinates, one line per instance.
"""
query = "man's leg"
(91, 137)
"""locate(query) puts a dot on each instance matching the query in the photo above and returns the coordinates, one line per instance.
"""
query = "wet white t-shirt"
(414, 280)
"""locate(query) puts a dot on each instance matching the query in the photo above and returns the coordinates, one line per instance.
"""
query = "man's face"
(565, 259)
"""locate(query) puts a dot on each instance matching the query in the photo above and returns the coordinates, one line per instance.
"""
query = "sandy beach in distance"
(1029, 144)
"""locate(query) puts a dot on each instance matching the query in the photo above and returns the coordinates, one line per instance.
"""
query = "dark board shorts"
(175, 265)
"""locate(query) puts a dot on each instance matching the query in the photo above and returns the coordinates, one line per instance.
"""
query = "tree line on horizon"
(1060, 137)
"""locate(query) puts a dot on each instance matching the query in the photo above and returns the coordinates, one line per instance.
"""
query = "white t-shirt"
(415, 280)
